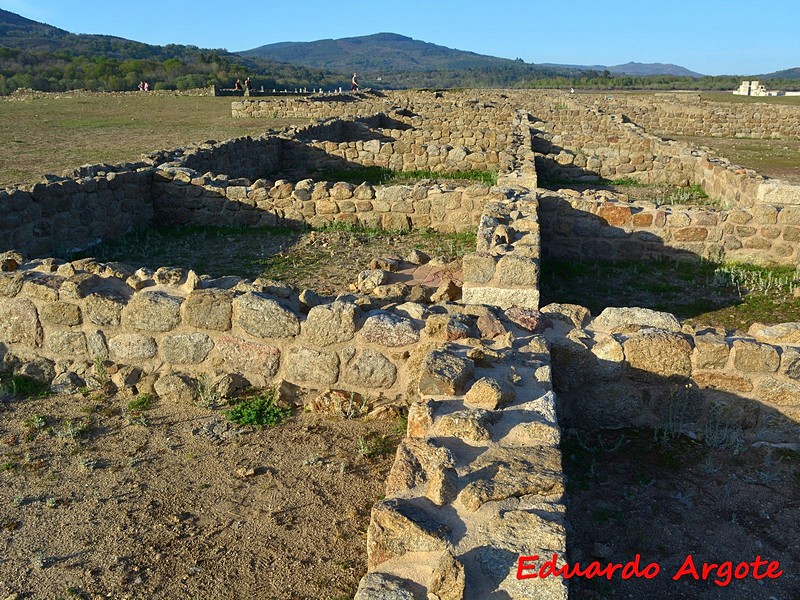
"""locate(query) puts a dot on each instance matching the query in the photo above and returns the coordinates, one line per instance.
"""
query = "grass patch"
(385, 176)
(26, 387)
(141, 403)
(658, 193)
(259, 410)
(706, 293)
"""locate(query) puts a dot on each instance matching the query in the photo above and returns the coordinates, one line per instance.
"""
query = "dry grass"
(50, 135)
(779, 159)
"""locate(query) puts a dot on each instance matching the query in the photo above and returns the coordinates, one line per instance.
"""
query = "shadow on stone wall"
(600, 394)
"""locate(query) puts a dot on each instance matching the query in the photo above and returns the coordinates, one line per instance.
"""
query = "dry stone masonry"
(477, 480)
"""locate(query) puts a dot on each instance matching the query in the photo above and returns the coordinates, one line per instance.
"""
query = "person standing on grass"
(354, 84)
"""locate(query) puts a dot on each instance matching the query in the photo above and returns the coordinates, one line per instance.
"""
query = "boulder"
(310, 366)
(186, 348)
(389, 330)
(152, 312)
(444, 374)
(371, 370)
(655, 353)
(263, 317)
(625, 319)
(333, 323)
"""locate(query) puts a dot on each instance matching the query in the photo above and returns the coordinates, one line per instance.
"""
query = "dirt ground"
(632, 492)
(326, 261)
(97, 501)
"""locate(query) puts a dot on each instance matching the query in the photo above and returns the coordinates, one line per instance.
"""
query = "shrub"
(259, 410)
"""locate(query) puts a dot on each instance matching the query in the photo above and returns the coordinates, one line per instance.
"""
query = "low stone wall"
(597, 145)
(587, 227)
(59, 320)
(689, 114)
(183, 197)
(635, 367)
(504, 271)
(54, 218)
(476, 483)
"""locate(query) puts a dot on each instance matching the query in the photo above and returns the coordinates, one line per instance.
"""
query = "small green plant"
(259, 410)
(208, 394)
(75, 429)
(141, 403)
(90, 464)
(351, 408)
(373, 446)
(38, 560)
(100, 370)
(35, 424)
(27, 387)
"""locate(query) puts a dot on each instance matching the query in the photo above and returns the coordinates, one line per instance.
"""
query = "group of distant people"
(248, 85)
(144, 86)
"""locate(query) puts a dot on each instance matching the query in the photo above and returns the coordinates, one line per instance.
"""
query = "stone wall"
(688, 114)
(583, 144)
(636, 367)
(183, 197)
(477, 482)
(588, 226)
(504, 270)
(54, 218)
(58, 319)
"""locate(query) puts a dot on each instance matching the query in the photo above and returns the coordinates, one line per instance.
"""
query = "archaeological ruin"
(489, 379)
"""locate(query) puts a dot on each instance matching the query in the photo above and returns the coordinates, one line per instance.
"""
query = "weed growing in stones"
(374, 446)
(141, 403)
(259, 410)
(27, 387)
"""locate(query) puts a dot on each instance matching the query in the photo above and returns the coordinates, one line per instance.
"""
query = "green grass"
(384, 176)
(259, 410)
(706, 293)
(26, 387)
(729, 98)
(141, 403)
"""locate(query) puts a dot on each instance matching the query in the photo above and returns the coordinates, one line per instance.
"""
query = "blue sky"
(724, 37)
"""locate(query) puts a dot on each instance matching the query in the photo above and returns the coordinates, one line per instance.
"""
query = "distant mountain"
(380, 52)
(390, 52)
(785, 74)
(648, 69)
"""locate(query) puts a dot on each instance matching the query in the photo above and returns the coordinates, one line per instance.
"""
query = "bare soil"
(176, 502)
(324, 261)
(634, 492)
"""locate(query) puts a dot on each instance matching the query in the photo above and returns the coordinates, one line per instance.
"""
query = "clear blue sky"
(713, 38)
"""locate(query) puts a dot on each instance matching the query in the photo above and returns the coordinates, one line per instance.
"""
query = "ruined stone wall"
(635, 367)
(504, 269)
(59, 319)
(588, 227)
(688, 114)
(183, 198)
(48, 219)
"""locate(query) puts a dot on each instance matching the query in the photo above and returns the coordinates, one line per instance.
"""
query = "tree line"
(110, 64)
(188, 68)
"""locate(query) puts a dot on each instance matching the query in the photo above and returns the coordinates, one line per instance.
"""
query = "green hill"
(39, 56)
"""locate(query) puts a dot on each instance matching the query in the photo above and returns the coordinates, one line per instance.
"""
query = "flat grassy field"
(50, 135)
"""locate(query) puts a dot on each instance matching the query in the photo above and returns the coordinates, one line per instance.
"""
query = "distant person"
(141, 86)
(354, 84)
(238, 86)
(571, 90)
(146, 87)
(247, 83)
